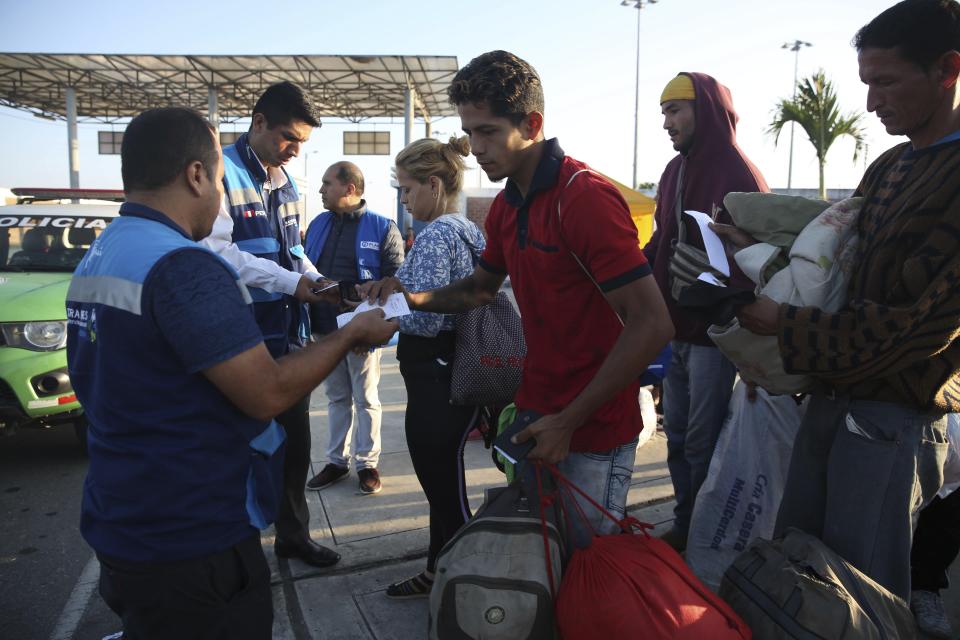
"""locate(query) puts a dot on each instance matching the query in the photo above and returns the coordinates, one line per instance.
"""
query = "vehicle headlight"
(36, 336)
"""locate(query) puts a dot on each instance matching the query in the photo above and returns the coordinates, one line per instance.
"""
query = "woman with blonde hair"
(430, 177)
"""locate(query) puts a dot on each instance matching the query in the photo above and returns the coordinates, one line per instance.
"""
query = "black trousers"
(936, 543)
(223, 596)
(293, 516)
(436, 433)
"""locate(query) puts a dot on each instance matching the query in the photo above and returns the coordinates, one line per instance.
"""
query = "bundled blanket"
(821, 260)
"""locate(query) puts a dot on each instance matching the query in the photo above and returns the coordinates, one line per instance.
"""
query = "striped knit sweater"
(898, 339)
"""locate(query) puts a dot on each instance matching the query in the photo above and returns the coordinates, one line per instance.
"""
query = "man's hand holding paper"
(733, 238)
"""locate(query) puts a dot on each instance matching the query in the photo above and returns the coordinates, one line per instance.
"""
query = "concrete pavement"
(383, 537)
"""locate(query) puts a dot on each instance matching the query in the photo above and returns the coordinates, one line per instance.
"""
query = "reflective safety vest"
(176, 470)
(371, 232)
(267, 225)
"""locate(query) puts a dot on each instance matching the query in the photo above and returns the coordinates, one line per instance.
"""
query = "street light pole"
(794, 46)
(638, 5)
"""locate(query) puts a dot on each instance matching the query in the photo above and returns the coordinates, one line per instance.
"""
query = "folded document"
(395, 307)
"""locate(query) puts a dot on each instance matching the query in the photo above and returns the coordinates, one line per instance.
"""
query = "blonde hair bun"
(429, 157)
(460, 145)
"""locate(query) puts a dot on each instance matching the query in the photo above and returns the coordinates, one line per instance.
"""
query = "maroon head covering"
(713, 167)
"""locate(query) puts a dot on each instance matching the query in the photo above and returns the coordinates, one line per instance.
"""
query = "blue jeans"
(605, 477)
(696, 394)
(859, 469)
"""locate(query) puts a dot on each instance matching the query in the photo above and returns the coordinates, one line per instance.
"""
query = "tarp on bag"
(821, 260)
(774, 220)
(796, 588)
(631, 585)
(739, 500)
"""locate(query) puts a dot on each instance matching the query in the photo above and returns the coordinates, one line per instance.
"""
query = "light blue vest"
(371, 232)
(176, 470)
(268, 229)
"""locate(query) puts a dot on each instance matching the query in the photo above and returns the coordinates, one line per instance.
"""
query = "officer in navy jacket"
(180, 393)
(258, 232)
(350, 243)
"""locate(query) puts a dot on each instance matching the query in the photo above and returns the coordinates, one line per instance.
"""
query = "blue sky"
(584, 50)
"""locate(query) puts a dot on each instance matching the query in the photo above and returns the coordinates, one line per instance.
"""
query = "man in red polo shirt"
(564, 236)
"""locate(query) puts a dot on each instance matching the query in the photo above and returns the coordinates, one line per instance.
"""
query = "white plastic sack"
(648, 411)
(741, 495)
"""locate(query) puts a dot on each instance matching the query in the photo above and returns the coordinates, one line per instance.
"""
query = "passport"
(517, 452)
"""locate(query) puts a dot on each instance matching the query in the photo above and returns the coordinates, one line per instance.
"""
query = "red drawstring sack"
(635, 586)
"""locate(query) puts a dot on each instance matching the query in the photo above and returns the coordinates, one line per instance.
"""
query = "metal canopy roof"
(110, 87)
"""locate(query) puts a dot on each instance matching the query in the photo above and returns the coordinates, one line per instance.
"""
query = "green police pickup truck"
(41, 242)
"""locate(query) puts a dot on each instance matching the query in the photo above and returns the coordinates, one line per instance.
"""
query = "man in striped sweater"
(872, 445)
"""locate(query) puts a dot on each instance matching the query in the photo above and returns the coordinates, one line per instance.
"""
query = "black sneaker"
(329, 475)
(927, 607)
(369, 480)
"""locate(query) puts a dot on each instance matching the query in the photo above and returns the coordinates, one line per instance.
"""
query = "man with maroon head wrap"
(702, 124)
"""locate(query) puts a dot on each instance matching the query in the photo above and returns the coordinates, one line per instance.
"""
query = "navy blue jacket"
(176, 470)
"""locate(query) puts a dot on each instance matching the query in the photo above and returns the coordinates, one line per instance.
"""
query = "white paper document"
(709, 278)
(396, 306)
(712, 242)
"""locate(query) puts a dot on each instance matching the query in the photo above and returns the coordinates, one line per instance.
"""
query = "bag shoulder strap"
(574, 255)
(678, 197)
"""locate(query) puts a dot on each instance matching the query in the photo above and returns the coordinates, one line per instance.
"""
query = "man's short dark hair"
(507, 85)
(160, 143)
(922, 30)
(284, 102)
(349, 173)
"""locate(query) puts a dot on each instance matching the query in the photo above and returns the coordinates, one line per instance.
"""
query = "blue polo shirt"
(176, 470)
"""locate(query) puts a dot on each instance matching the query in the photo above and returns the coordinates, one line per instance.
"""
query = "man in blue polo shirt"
(258, 233)
(593, 318)
(180, 392)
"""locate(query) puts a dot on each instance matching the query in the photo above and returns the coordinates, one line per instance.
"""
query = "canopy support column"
(213, 108)
(408, 100)
(73, 144)
(407, 139)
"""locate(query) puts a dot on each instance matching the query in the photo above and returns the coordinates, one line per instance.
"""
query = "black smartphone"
(517, 452)
(326, 287)
(348, 291)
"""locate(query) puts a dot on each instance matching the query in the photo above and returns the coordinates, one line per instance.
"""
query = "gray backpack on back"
(796, 587)
(491, 579)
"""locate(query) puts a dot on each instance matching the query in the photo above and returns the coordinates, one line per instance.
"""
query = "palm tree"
(814, 108)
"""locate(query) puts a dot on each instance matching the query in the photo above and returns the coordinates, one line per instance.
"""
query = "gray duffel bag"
(492, 579)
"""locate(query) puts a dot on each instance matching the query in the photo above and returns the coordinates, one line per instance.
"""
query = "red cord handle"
(627, 524)
(546, 501)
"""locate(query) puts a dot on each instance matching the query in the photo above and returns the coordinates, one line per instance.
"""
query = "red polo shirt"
(568, 324)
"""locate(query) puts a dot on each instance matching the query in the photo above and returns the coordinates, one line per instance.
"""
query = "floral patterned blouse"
(443, 252)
